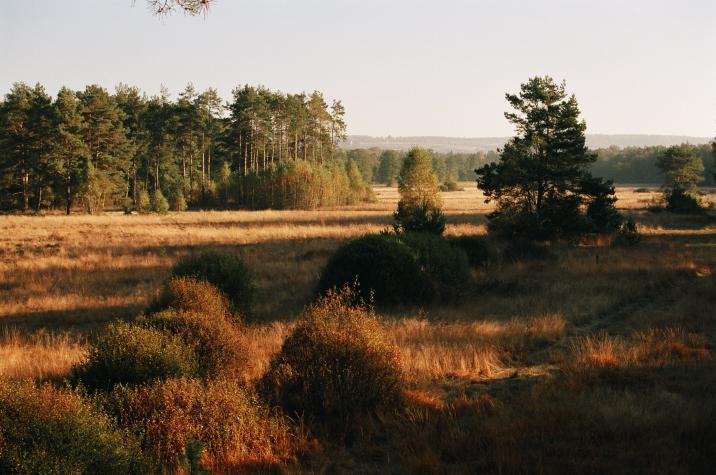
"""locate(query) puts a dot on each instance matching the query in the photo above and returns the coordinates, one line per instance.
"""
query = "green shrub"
(143, 201)
(176, 417)
(681, 202)
(336, 364)
(383, 265)
(299, 184)
(478, 248)
(447, 267)
(213, 338)
(159, 203)
(227, 272)
(420, 218)
(408, 268)
(58, 431)
(132, 354)
(193, 295)
(177, 201)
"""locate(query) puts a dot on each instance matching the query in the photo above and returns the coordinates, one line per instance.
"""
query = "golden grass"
(41, 356)
(76, 273)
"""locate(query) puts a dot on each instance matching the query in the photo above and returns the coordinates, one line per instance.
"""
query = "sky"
(400, 67)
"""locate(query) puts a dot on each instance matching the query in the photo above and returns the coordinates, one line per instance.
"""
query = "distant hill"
(474, 144)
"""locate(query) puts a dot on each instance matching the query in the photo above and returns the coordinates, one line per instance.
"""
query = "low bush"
(642, 190)
(337, 364)
(384, 266)
(446, 267)
(478, 249)
(419, 218)
(58, 431)
(213, 338)
(188, 294)
(681, 202)
(225, 271)
(132, 354)
(450, 186)
(408, 268)
(221, 420)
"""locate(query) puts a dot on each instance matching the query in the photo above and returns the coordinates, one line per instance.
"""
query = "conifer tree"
(70, 155)
(539, 182)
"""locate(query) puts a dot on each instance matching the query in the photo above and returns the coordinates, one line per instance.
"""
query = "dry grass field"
(637, 325)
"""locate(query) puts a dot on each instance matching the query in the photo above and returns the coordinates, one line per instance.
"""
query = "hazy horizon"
(402, 68)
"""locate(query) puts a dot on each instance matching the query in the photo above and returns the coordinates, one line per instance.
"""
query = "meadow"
(560, 360)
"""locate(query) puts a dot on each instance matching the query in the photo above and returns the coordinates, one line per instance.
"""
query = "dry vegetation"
(636, 323)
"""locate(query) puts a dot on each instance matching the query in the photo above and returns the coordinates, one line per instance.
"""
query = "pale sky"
(401, 67)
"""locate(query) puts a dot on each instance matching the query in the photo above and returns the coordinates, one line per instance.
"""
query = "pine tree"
(70, 155)
(539, 181)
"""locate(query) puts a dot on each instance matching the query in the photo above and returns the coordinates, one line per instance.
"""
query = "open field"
(637, 325)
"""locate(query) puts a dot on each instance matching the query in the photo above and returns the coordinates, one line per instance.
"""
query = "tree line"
(94, 148)
(637, 165)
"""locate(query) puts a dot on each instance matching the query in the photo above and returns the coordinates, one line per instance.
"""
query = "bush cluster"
(189, 294)
(220, 418)
(132, 354)
(337, 364)
(227, 272)
(299, 184)
(48, 430)
(682, 202)
(214, 340)
(399, 269)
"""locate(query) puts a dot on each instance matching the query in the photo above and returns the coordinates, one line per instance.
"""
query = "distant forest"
(632, 165)
(94, 149)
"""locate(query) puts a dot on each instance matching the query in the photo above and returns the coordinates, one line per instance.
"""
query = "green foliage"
(132, 354)
(177, 202)
(58, 431)
(446, 267)
(682, 202)
(98, 148)
(478, 249)
(174, 418)
(159, 203)
(421, 218)
(225, 271)
(682, 168)
(601, 212)
(96, 190)
(384, 266)
(336, 364)
(215, 341)
(399, 269)
(389, 164)
(366, 161)
(417, 182)
(143, 200)
(301, 185)
(541, 182)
